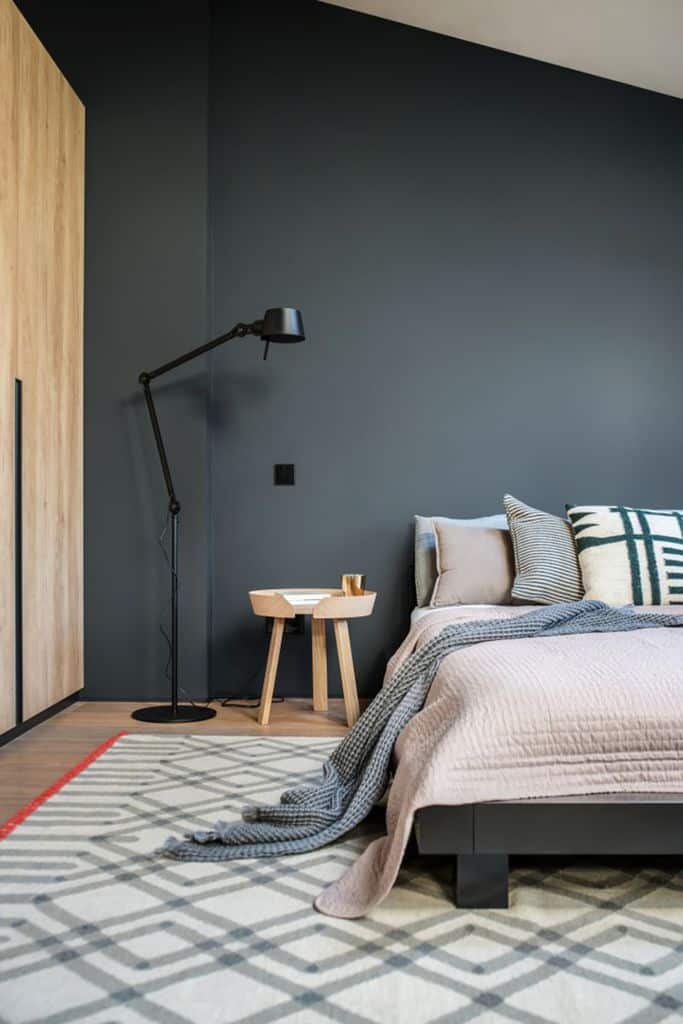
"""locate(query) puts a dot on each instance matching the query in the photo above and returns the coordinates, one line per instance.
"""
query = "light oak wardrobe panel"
(8, 318)
(51, 132)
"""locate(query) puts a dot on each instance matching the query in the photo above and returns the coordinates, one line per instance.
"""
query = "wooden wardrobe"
(42, 133)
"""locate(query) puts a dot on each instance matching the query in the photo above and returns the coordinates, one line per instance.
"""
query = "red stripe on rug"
(26, 811)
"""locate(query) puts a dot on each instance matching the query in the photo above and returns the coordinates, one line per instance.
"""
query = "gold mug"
(353, 584)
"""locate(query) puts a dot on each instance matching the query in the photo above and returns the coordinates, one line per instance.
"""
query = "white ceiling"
(639, 42)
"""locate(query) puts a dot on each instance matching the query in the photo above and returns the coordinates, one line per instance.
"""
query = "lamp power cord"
(229, 701)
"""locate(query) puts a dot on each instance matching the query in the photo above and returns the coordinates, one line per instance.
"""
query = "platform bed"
(483, 837)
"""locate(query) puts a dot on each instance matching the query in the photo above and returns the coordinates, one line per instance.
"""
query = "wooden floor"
(32, 762)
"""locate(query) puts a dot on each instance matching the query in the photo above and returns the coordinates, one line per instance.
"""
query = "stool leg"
(271, 671)
(348, 676)
(319, 652)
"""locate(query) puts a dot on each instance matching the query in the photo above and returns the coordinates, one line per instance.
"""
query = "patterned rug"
(95, 928)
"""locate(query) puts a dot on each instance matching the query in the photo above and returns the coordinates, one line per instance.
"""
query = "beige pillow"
(425, 549)
(475, 565)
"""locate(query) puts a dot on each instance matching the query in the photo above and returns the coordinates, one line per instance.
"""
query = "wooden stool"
(339, 607)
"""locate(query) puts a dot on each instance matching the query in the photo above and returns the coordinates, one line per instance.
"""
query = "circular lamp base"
(164, 713)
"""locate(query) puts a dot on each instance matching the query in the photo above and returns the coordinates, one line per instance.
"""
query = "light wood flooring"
(32, 762)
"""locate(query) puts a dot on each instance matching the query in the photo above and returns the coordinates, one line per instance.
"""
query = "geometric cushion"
(425, 549)
(545, 556)
(629, 555)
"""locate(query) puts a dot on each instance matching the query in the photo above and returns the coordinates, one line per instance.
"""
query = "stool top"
(320, 602)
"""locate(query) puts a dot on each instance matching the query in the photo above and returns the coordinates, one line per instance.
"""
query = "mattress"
(421, 613)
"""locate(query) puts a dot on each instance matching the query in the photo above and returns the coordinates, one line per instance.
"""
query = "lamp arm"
(238, 331)
(173, 503)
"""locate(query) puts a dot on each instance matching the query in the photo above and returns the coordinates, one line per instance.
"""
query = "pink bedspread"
(516, 719)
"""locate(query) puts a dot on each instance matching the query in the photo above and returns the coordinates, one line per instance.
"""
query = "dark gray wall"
(487, 253)
(142, 71)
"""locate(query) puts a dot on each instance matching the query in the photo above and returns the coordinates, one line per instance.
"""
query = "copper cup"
(353, 584)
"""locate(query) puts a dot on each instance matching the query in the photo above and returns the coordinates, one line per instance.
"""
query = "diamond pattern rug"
(95, 928)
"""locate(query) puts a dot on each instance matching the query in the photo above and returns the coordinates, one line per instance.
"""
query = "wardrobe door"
(51, 125)
(8, 266)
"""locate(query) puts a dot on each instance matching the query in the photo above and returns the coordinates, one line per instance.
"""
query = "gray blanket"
(356, 774)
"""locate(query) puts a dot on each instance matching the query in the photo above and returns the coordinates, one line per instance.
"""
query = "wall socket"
(283, 474)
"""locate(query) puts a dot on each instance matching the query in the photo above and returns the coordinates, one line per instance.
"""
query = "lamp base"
(164, 714)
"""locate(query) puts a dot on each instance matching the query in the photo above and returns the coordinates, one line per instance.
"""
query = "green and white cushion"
(629, 555)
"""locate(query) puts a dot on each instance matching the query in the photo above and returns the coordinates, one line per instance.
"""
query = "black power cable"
(225, 702)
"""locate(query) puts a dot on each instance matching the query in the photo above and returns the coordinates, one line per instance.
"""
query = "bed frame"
(482, 837)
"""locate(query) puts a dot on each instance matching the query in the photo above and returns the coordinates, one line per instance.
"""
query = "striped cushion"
(546, 566)
(629, 555)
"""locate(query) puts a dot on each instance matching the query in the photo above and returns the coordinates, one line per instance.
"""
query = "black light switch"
(283, 474)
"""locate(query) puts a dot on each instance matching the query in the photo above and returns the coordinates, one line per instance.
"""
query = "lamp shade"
(282, 325)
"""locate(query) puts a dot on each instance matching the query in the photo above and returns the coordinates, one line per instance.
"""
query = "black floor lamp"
(277, 325)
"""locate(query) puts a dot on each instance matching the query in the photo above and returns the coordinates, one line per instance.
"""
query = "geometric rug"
(95, 928)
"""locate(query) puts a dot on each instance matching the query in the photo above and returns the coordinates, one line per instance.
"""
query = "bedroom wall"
(142, 70)
(487, 253)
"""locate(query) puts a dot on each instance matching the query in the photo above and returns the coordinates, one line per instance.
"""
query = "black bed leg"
(481, 881)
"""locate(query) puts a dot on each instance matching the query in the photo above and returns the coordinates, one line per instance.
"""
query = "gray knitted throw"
(356, 774)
